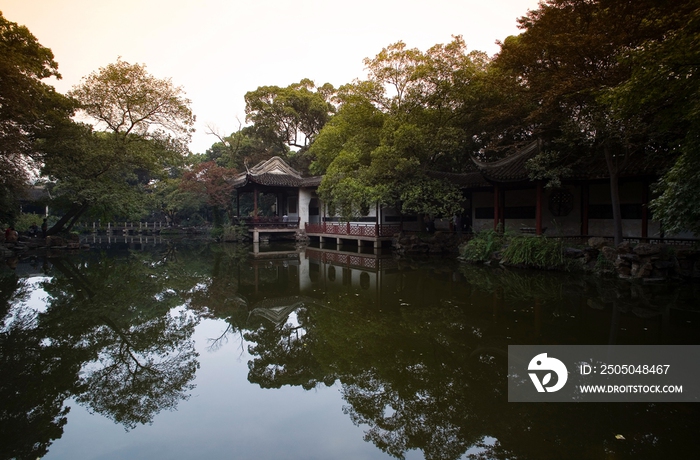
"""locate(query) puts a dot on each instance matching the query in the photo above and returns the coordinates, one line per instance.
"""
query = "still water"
(183, 350)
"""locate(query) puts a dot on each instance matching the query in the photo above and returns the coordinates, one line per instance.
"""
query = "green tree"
(569, 55)
(391, 131)
(147, 124)
(86, 175)
(244, 148)
(170, 197)
(292, 116)
(29, 108)
(663, 91)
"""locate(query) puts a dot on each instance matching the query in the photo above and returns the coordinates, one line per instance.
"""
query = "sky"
(218, 50)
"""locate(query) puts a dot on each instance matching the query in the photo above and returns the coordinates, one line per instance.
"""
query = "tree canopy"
(563, 67)
(408, 118)
(291, 117)
(147, 124)
(29, 108)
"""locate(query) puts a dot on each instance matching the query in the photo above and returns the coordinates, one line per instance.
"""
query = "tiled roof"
(275, 172)
(472, 179)
(511, 168)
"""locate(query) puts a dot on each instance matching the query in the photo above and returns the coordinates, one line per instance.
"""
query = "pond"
(184, 350)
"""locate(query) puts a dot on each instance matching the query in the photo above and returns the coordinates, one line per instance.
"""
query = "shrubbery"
(528, 250)
(482, 245)
(534, 251)
(24, 221)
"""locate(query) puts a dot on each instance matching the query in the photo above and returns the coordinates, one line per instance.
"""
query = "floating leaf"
(619, 436)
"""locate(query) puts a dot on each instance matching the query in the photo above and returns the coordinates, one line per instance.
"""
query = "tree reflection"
(111, 336)
(425, 367)
(117, 313)
(35, 379)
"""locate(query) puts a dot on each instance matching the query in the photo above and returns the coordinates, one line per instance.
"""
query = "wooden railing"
(269, 222)
(370, 230)
(371, 262)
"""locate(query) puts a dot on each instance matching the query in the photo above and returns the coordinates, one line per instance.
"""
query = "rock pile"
(649, 262)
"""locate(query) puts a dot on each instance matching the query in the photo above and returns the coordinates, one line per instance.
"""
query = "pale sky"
(218, 50)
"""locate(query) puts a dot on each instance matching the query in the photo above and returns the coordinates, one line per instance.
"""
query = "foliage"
(169, 196)
(678, 205)
(24, 221)
(482, 245)
(527, 250)
(244, 148)
(85, 173)
(232, 233)
(147, 124)
(29, 108)
(534, 251)
(213, 183)
(563, 66)
(125, 99)
(663, 91)
(290, 116)
(393, 129)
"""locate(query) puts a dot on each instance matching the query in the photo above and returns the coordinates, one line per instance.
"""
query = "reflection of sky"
(226, 417)
(30, 306)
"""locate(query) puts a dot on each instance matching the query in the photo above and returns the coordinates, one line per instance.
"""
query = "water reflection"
(108, 335)
(418, 347)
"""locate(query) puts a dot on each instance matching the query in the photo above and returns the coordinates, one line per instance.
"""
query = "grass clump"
(534, 251)
(524, 250)
(482, 246)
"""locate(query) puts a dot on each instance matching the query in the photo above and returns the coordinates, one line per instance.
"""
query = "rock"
(624, 272)
(644, 249)
(53, 241)
(597, 242)
(664, 264)
(642, 271)
(620, 262)
(609, 253)
(573, 253)
(624, 247)
(629, 257)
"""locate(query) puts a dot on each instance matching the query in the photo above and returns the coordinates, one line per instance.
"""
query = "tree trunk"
(614, 195)
(72, 215)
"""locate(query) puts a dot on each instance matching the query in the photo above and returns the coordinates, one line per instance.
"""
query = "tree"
(147, 123)
(85, 174)
(125, 99)
(290, 116)
(563, 64)
(663, 92)
(244, 148)
(408, 119)
(212, 182)
(29, 108)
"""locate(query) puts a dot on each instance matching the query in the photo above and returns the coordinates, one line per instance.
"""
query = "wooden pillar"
(377, 221)
(584, 209)
(502, 209)
(645, 209)
(255, 202)
(538, 210)
(496, 206)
